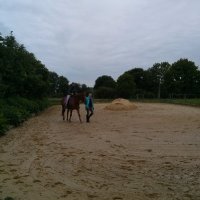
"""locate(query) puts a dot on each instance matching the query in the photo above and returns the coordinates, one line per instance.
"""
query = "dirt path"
(152, 152)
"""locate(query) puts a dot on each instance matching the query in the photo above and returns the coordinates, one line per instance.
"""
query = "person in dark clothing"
(71, 91)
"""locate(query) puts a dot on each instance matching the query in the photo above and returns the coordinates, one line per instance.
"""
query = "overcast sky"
(84, 39)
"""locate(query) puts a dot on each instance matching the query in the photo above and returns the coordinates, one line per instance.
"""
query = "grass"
(188, 102)
(54, 101)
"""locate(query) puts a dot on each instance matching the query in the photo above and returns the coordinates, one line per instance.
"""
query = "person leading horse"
(71, 102)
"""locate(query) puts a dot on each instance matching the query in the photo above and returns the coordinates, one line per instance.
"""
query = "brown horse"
(72, 104)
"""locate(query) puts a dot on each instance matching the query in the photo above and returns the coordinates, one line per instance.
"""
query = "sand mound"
(120, 104)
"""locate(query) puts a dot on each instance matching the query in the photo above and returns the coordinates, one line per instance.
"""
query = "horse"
(72, 104)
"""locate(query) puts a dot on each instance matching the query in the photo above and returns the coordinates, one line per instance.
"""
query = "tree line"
(181, 79)
(25, 84)
(23, 75)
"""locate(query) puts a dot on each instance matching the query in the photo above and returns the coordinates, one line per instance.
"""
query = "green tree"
(105, 87)
(105, 93)
(182, 78)
(141, 78)
(105, 81)
(197, 84)
(157, 78)
(21, 74)
(84, 88)
(63, 85)
(126, 86)
(53, 84)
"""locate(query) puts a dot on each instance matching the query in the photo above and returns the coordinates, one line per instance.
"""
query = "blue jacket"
(89, 103)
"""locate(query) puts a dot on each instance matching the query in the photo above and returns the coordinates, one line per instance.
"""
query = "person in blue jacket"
(89, 106)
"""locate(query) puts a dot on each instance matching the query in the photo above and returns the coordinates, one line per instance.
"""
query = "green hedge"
(14, 111)
(8, 198)
(3, 124)
(15, 115)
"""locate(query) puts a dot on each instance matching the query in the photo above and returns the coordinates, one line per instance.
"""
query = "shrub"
(23, 103)
(16, 110)
(42, 104)
(3, 124)
(15, 115)
(105, 93)
(8, 198)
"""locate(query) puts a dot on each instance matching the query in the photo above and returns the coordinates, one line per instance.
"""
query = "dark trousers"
(89, 114)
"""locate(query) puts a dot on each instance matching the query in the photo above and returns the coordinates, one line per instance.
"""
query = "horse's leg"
(67, 114)
(70, 115)
(63, 113)
(79, 115)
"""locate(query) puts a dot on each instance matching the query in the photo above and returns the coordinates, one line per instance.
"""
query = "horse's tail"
(63, 103)
(63, 110)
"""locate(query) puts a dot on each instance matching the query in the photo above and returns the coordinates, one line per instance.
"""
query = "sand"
(152, 152)
(120, 104)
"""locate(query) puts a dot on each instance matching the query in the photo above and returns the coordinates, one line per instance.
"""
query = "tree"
(21, 74)
(157, 75)
(182, 78)
(140, 77)
(126, 86)
(105, 93)
(53, 84)
(105, 81)
(63, 85)
(84, 88)
(197, 84)
(105, 87)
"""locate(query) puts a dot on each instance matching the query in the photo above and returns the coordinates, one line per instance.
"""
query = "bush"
(8, 198)
(149, 95)
(2, 103)
(15, 111)
(3, 124)
(29, 105)
(15, 115)
(105, 93)
(43, 104)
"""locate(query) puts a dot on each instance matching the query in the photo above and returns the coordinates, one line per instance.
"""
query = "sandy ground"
(152, 152)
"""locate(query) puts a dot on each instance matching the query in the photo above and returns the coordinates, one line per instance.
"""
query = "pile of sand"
(120, 104)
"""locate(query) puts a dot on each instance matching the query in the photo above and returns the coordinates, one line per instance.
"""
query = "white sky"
(84, 39)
